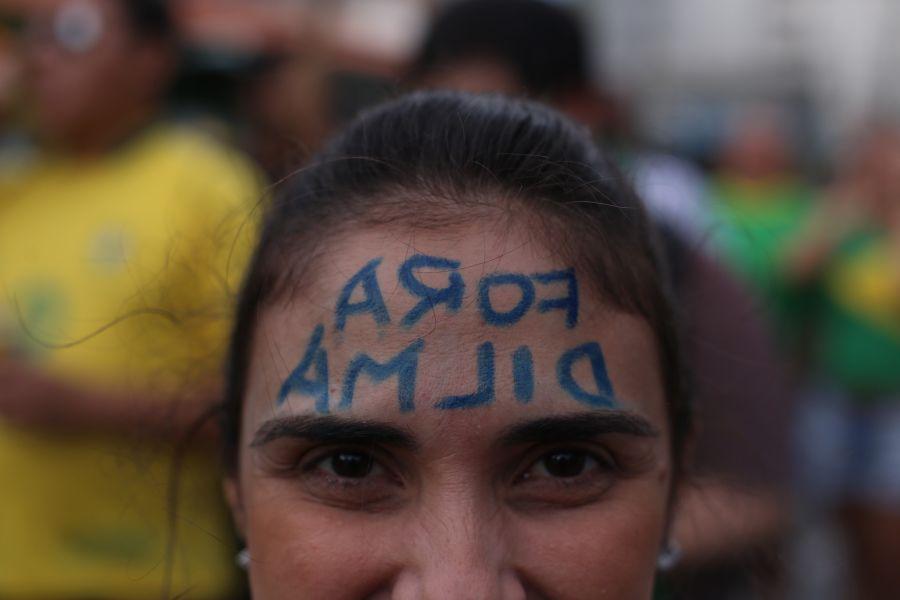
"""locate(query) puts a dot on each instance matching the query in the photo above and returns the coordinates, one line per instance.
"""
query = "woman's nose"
(458, 584)
(460, 551)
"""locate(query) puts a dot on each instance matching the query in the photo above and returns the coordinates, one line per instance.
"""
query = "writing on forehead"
(559, 292)
(361, 298)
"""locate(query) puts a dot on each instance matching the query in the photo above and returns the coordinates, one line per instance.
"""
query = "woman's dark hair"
(438, 160)
(541, 42)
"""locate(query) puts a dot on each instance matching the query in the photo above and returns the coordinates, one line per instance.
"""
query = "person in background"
(286, 107)
(736, 510)
(848, 256)
(760, 203)
(536, 49)
(10, 81)
(9, 68)
(121, 237)
(266, 66)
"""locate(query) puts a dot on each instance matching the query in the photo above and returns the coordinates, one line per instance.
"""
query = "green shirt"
(858, 338)
(753, 225)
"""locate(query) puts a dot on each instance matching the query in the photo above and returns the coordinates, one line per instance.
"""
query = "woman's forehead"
(400, 326)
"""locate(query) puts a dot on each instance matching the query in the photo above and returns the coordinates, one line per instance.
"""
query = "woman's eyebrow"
(328, 428)
(578, 426)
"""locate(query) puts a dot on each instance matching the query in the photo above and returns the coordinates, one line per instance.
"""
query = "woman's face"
(451, 416)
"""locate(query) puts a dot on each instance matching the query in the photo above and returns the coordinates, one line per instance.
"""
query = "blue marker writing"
(373, 302)
(569, 302)
(404, 365)
(297, 382)
(452, 295)
(484, 393)
(512, 316)
(523, 374)
(593, 352)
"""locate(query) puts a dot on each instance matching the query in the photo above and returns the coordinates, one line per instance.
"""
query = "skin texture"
(464, 514)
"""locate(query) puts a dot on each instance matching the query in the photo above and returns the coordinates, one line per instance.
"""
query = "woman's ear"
(682, 487)
(233, 496)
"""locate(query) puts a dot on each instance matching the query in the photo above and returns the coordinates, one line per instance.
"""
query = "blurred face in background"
(485, 74)
(10, 67)
(88, 70)
(289, 106)
(878, 171)
(758, 147)
(476, 75)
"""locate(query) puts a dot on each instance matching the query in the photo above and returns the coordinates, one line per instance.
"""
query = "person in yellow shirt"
(122, 240)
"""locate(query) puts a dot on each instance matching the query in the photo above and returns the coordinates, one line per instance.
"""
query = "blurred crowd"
(137, 141)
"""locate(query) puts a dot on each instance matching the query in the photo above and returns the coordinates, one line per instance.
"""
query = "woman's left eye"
(565, 477)
(564, 464)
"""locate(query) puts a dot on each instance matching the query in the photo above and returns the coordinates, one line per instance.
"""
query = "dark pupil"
(351, 464)
(565, 464)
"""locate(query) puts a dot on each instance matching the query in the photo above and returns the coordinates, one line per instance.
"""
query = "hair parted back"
(438, 160)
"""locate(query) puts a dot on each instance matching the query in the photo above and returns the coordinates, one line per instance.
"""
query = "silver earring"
(668, 556)
(242, 559)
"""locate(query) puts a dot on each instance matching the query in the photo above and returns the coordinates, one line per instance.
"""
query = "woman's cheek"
(606, 551)
(302, 551)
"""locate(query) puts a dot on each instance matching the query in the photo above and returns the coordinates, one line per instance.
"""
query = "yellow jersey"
(118, 273)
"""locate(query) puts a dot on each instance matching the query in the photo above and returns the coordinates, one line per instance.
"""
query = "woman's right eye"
(352, 478)
(348, 464)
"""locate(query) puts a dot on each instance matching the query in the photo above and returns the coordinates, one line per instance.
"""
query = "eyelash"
(603, 460)
(597, 466)
(312, 465)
